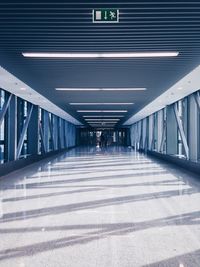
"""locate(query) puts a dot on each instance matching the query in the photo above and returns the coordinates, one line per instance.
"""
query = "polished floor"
(100, 208)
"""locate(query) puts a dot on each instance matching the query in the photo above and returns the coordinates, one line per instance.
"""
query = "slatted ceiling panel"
(51, 26)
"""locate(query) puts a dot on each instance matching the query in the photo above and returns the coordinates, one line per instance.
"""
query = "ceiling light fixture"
(95, 123)
(101, 122)
(100, 55)
(102, 126)
(103, 116)
(114, 122)
(100, 89)
(85, 104)
(102, 119)
(102, 111)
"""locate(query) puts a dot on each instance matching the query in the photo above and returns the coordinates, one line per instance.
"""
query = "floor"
(107, 208)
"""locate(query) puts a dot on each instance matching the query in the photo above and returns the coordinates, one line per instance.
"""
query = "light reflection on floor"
(113, 208)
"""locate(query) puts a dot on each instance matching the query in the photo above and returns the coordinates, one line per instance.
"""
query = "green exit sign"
(105, 15)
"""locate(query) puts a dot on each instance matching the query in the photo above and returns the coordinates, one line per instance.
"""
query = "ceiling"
(64, 26)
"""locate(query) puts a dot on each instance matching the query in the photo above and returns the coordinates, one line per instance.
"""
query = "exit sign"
(105, 15)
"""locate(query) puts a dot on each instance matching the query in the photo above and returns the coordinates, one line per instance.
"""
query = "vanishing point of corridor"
(91, 207)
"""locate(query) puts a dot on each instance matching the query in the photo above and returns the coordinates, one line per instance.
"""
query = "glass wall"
(168, 130)
(26, 129)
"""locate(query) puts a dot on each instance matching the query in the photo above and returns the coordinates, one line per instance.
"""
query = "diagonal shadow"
(79, 180)
(191, 259)
(114, 167)
(86, 166)
(22, 215)
(52, 194)
(88, 170)
(94, 188)
(100, 231)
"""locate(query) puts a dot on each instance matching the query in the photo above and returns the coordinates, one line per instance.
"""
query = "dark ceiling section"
(53, 26)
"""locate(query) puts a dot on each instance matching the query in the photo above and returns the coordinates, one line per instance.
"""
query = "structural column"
(172, 132)
(45, 129)
(160, 129)
(55, 131)
(12, 130)
(193, 128)
(150, 132)
(144, 131)
(33, 132)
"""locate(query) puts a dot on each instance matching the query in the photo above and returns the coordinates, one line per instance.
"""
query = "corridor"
(94, 207)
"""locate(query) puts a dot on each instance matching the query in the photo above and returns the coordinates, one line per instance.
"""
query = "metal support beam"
(11, 131)
(44, 149)
(66, 135)
(51, 131)
(5, 108)
(153, 132)
(45, 129)
(144, 125)
(171, 132)
(69, 134)
(147, 134)
(160, 130)
(59, 133)
(132, 134)
(181, 130)
(33, 132)
(62, 134)
(24, 130)
(163, 138)
(140, 134)
(150, 132)
(55, 130)
(193, 137)
(73, 135)
(197, 99)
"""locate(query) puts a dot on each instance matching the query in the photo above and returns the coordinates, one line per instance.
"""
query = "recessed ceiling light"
(101, 55)
(103, 116)
(101, 124)
(180, 88)
(23, 88)
(92, 122)
(79, 104)
(102, 120)
(103, 111)
(100, 89)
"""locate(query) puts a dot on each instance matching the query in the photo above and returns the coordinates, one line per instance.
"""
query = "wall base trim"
(12, 166)
(183, 163)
